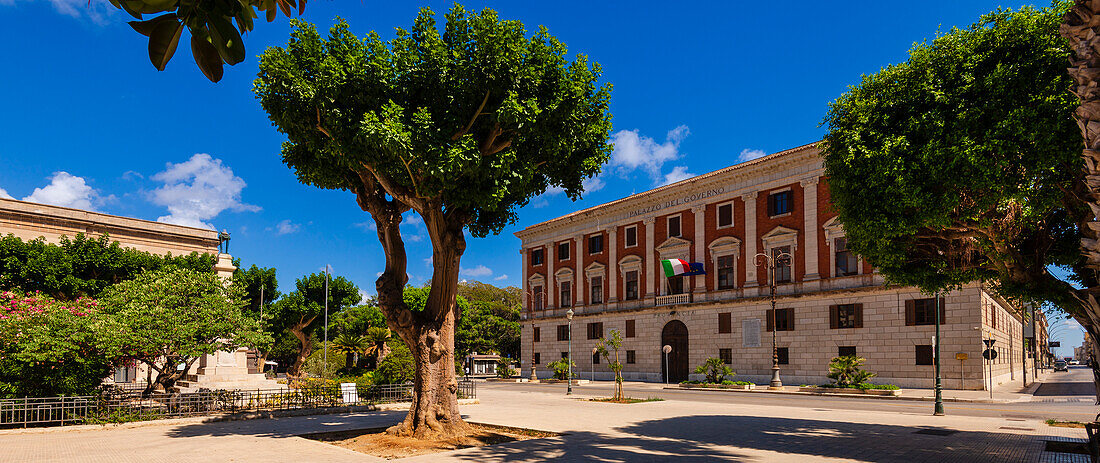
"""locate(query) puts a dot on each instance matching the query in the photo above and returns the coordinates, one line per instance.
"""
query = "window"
(846, 316)
(565, 355)
(846, 261)
(536, 257)
(782, 264)
(595, 358)
(631, 236)
(784, 355)
(923, 312)
(725, 324)
(538, 358)
(595, 244)
(563, 250)
(537, 335)
(538, 297)
(630, 328)
(674, 226)
(595, 330)
(566, 294)
(726, 355)
(629, 356)
(563, 332)
(846, 351)
(725, 215)
(676, 285)
(631, 285)
(725, 272)
(924, 354)
(779, 203)
(781, 319)
(596, 291)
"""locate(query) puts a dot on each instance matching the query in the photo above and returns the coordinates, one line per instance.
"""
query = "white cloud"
(593, 184)
(502, 277)
(634, 151)
(4, 194)
(479, 271)
(415, 238)
(66, 190)
(369, 226)
(539, 202)
(197, 190)
(428, 261)
(750, 154)
(95, 10)
(364, 295)
(678, 173)
(287, 227)
(412, 219)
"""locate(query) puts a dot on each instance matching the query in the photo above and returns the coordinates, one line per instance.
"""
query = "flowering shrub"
(50, 347)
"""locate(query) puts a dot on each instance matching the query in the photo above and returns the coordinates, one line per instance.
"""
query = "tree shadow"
(864, 442)
(290, 426)
(594, 446)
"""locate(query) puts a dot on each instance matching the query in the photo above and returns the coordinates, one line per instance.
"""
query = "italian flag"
(675, 267)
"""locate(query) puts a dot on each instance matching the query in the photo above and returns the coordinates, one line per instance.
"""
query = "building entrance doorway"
(675, 334)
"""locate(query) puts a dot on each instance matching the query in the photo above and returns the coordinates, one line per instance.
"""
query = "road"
(1064, 396)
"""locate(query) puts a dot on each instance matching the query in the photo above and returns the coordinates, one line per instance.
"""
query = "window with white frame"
(564, 289)
(595, 244)
(846, 261)
(630, 236)
(674, 226)
(563, 250)
(725, 215)
(725, 272)
(724, 252)
(596, 289)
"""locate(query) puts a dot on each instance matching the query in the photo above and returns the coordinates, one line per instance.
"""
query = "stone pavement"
(654, 431)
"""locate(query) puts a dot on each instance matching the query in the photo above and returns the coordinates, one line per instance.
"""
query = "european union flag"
(696, 269)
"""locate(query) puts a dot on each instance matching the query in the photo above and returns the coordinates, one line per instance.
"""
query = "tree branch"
(322, 129)
(469, 125)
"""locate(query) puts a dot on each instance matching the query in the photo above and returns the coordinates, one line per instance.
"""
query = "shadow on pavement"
(289, 426)
(593, 446)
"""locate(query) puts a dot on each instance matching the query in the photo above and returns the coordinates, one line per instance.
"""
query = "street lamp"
(569, 361)
(531, 315)
(325, 370)
(938, 409)
(769, 259)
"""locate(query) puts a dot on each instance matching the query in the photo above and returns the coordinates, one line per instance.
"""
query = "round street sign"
(989, 354)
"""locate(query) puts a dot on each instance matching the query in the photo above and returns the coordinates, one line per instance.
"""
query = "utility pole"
(938, 410)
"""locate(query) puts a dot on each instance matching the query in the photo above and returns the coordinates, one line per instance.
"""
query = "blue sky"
(88, 122)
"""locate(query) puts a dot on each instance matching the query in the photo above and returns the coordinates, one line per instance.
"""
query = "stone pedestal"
(226, 370)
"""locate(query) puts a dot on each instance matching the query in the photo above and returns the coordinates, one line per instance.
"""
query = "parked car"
(1060, 366)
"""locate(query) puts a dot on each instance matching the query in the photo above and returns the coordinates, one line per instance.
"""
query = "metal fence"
(118, 405)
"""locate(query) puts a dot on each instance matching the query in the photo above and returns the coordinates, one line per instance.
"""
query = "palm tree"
(376, 339)
(351, 346)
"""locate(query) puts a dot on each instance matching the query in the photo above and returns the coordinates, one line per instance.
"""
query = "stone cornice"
(782, 168)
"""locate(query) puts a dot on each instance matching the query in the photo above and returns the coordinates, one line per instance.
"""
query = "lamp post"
(569, 361)
(938, 409)
(326, 320)
(769, 260)
(531, 315)
(592, 377)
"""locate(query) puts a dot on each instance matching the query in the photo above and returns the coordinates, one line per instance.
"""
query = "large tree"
(302, 311)
(170, 318)
(461, 125)
(963, 164)
(1082, 27)
(261, 288)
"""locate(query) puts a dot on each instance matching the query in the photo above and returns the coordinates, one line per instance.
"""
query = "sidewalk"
(654, 431)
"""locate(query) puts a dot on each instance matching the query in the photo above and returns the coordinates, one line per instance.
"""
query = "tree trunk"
(1081, 28)
(433, 413)
(167, 375)
(303, 351)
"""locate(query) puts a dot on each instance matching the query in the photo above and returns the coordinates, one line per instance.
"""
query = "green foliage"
(504, 368)
(490, 323)
(214, 37)
(847, 371)
(173, 316)
(81, 266)
(561, 368)
(50, 348)
(351, 346)
(478, 117)
(302, 310)
(252, 280)
(715, 370)
(397, 367)
(357, 320)
(957, 165)
(315, 363)
(608, 348)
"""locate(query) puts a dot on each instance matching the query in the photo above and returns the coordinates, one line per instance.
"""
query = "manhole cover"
(1067, 447)
(936, 432)
(1017, 429)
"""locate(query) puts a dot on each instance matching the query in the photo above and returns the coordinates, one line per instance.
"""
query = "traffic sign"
(989, 354)
(961, 356)
(1056, 344)
(989, 342)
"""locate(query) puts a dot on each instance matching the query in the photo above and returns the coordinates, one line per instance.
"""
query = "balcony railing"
(673, 299)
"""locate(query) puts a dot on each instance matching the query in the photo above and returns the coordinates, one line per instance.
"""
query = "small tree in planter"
(846, 371)
(715, 370)
(504, 368)
(608, 347)
(561, 368)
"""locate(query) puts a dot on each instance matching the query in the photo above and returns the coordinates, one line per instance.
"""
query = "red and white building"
(604, 263)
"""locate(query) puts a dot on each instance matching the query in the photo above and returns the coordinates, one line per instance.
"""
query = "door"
(675, 334)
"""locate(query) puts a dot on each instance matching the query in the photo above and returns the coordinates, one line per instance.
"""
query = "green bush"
(504, 368)
(397, 367)
(315, 363)
(715, 370)
(561, 368)
(846, 371)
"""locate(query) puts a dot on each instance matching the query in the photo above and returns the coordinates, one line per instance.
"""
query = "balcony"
(673, 299)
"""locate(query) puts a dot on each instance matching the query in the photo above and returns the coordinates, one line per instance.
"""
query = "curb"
(224, 417)
(848, 396)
